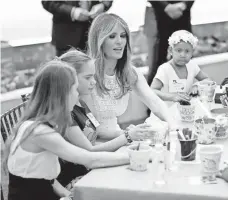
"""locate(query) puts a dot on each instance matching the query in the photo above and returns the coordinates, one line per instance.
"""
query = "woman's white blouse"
(43, 165)
(108, 107)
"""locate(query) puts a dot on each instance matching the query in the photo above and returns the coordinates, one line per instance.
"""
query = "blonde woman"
(82, 132)
(109, 45)
(38, 141)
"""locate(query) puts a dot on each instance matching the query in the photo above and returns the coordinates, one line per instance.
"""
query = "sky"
(26, 19)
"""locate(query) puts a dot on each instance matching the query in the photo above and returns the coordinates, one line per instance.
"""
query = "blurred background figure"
(151, 32)
(71, 21)
(161, 20)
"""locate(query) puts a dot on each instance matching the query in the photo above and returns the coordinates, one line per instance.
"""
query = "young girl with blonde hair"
(82, 132)
(38, 141)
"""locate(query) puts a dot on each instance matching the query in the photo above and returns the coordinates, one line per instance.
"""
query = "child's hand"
(180, 97)
(224, 174)
(194, 90)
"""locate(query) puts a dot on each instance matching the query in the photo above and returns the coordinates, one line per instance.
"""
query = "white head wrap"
(182, 35)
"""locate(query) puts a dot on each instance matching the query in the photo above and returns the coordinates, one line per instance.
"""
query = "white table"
(120, 183)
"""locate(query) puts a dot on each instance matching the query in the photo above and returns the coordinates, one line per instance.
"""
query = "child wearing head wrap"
(174, 80)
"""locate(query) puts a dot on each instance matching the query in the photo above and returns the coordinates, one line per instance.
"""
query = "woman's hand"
(177, 97)
(137, 132)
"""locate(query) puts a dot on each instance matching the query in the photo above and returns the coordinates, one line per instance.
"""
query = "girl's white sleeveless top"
(108, 107)
(43, 165)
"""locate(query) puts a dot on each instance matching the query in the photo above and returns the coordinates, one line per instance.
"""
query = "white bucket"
(139, 159)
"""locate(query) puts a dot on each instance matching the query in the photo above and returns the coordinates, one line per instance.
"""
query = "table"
(120, 183)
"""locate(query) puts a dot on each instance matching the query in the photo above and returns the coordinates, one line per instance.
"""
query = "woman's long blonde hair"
(100, 29)
(49, 101)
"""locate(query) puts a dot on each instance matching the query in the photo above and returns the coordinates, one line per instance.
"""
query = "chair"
(9, 119)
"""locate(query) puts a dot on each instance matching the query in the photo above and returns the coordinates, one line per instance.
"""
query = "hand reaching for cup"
(138, 132)
(224, 174)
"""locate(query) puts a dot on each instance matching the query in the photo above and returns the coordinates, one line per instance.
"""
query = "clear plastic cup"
(210, 157)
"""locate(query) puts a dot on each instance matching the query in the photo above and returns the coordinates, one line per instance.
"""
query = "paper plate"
(219, 111)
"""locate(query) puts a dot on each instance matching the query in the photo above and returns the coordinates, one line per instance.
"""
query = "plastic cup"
(210, 157)
(207, 88)
(139, 159)
(188, 149)
(154, 137)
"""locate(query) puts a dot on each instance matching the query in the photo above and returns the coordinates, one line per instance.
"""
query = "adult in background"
(170, 17)
(71, 21)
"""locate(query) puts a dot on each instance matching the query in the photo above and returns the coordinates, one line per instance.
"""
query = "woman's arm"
(157, 86)
(55, 143)
(149, 97)
(60, 190)
(76, 136)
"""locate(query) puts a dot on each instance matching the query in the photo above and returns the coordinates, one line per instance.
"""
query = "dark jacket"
(165, 22)
(65, 31)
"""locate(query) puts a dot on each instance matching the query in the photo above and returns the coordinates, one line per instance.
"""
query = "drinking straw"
(187, 137)
(194, 134)
(138, 147)
(190, 134)
(181, 134)
(185, 132)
